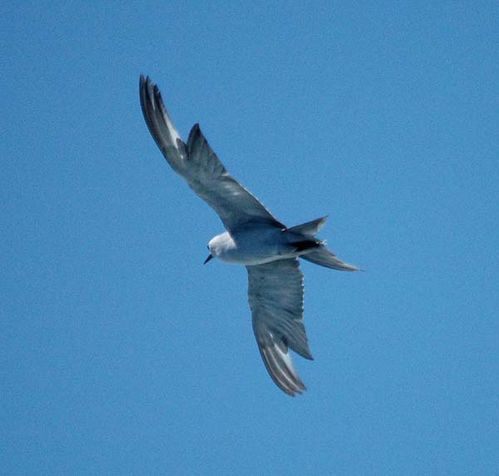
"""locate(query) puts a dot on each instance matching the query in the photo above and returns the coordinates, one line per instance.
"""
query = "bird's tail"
(323, 257)
(310, 228)
(316, 249)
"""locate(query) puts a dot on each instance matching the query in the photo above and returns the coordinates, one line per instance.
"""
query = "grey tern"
(253, 238)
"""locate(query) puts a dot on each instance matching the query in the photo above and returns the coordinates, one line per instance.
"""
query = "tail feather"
(323, 257)
(310, 228)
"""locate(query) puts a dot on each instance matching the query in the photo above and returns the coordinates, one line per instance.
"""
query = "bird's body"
(259, 244)
(254, 238)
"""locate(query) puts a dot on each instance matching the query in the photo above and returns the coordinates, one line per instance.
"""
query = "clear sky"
(121, 353)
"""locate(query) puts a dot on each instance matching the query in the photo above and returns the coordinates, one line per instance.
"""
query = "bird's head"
(219, 245)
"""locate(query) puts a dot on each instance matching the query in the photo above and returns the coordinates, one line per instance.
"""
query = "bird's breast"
(257, 245)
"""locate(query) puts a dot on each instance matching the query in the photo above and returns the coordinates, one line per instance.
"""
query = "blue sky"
(122, 354)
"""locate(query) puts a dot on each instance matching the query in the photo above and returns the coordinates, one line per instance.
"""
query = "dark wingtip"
(194, 134)
(144, 80)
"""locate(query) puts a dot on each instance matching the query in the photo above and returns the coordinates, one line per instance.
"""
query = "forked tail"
(323, 257)
(316, 250)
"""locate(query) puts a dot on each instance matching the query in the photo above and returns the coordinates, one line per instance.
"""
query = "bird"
(254, 238)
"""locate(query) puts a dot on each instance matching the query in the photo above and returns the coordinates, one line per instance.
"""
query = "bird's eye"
(207, 247)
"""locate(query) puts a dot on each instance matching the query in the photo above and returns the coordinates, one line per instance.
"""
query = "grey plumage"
(199, 165)
(254, 238)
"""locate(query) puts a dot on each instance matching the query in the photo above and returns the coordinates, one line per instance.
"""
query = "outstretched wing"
(275, 295)
(199, 166)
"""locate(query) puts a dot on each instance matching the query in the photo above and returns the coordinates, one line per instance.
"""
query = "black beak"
(210, 256)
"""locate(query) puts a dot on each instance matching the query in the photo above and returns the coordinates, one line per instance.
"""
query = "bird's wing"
(199, 165)
(275, 295)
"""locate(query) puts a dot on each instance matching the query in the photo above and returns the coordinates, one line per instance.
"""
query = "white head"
(219, 245)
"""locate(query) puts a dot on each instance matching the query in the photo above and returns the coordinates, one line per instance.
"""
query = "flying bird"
(253, 238)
